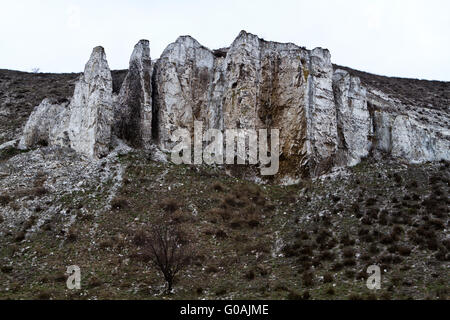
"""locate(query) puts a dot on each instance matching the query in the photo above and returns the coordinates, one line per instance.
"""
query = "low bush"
(119, 203)
(327, 278)
(5, 199)
(170, 205)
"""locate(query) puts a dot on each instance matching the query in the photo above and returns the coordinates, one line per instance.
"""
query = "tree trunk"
(169, 286)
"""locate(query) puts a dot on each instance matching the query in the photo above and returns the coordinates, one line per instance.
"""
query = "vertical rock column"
(321, 112)
(266, 87)
(182, 78)
(91, 110)
(133, 112)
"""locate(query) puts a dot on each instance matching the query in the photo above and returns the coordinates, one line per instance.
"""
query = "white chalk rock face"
(413, 134)
(133, 111)
(40, 127)
(354, 123)
(322, 126)
(85, 123)
(325, 117)
(254, 84)
(183, 77)
(91, 110)
(286, 87)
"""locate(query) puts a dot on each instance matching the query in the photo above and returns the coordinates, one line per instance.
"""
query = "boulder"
(45, 125)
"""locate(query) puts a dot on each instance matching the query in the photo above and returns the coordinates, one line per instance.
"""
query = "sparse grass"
(371, 202)
(94, 282)
(10, 152)
(250, 275)
(106, 244)
(44, 295)
(20, 236)
(140, 237)
(330, 291)
(328, 278)
(72, 235)
(292, 295)
(30, 192)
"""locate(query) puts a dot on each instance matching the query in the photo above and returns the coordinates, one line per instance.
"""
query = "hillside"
(86, 177)
(313, 240)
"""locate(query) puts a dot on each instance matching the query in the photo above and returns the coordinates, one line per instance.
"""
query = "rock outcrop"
(372, 123)
(183, 79)
(91, 108)
(326, 117)
(408, 134)
(354, 124)
(44, 125)
(254, 84)
(84, 124)
(133, 110)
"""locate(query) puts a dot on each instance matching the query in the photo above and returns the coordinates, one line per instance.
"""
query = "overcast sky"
(407, 38)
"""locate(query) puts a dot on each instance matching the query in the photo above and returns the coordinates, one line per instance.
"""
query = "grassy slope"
(269, 242)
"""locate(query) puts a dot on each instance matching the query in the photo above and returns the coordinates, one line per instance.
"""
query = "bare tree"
(169, 250)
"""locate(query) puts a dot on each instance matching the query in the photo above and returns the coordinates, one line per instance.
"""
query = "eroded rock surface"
(326, 118)
(410, 136)
(253, 84)
(182, 80)
(84, 124)
(354, 123)
(372, 122)
(43, 125)
(91, 110)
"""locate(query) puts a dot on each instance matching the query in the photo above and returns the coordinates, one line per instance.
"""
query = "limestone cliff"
(326, 115)
(253, 84)
(354, 123)
(372, 122)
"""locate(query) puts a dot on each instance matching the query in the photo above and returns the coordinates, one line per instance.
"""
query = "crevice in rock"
(155, 105)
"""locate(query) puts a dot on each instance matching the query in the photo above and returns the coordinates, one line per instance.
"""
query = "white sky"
(408, 38)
